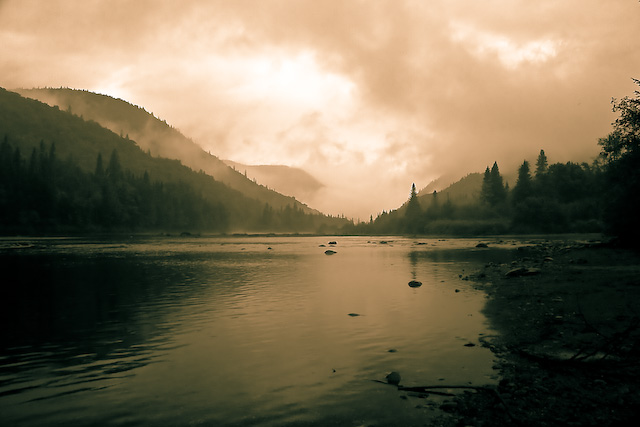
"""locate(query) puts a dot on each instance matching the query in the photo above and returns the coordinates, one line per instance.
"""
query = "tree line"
(548, 198)
(562, 197)
(41, 193)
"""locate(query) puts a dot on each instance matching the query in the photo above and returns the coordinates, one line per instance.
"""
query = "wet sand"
(568, 342)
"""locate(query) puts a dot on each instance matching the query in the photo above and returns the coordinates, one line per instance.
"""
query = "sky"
(367, 96)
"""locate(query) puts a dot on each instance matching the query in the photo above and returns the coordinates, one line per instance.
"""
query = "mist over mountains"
(284, 179)
(64, 171)
(160, 139)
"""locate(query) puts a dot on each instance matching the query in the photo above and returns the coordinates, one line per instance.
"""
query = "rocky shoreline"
(568, 344)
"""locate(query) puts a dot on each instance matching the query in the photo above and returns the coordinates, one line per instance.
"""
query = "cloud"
(368, 96)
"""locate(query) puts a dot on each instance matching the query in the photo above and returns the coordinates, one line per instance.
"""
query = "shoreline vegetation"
(568, 339)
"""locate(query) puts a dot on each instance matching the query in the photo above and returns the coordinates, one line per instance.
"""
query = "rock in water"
(482, 245)
(393, 378)
(330, 252)
(354, 314)
(415, 284)
(523, 271)
(333, 242)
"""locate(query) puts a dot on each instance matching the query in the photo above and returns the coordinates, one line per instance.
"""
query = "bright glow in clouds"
(510, 53)
(367, 96)
(294, 80)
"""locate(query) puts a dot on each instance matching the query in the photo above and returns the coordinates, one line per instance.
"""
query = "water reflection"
(229, 332)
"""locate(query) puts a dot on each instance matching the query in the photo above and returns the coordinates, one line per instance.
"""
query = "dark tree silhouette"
(493, 190)
(542, 164)
(621, 152)
(524, 186)
(413, 215)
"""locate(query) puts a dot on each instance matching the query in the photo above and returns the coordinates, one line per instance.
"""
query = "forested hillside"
(561, 197)
(157, 138)
(61, 173)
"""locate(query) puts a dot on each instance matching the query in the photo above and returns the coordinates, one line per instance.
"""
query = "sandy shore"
(568, 343)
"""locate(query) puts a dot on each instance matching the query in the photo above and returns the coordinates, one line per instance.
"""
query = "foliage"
(47, 195)
(524, 184)
(493, 192)
(621, 153)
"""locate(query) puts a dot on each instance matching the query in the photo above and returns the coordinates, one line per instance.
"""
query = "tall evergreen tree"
(413, 215)
(493, 190)
(485, 192)
(542, 164)
(524, 186)
(499, 190)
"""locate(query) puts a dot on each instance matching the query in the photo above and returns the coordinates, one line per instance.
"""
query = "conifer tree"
(524, 187)
(542, 164)
(414, 212)
(493, 190)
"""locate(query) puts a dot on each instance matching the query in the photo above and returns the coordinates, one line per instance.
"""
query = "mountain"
(287, 180)
(464, 191)
(157, 138)
(38, 137)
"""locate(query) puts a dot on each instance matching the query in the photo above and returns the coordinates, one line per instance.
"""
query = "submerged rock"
(482, 245)
(333, 242)
(330, 252)
(354, 314)
(415, 284)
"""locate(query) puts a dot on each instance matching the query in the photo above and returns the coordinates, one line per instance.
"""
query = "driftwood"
(431, 389)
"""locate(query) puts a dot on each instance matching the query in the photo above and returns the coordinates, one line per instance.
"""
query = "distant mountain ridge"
(157, 138)
(288, 180)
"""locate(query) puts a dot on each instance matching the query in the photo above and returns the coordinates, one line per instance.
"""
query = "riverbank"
(568, 344)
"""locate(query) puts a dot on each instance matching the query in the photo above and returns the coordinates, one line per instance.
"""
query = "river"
(237, 331)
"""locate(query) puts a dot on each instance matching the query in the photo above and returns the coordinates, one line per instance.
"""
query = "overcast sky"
(368, 96)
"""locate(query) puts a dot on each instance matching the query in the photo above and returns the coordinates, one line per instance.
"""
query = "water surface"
(237, 330)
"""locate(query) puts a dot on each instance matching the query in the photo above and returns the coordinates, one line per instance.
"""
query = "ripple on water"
(223, 331)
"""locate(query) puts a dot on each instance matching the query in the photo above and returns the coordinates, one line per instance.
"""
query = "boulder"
(330, 252)
(393, 378)
(482, 245)
(415, 284)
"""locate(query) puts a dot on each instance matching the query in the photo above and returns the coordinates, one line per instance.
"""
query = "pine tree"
(493, 190)
(524, 186)
(542, 164)
(497, 185)
(485, 192)
(413, 214)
